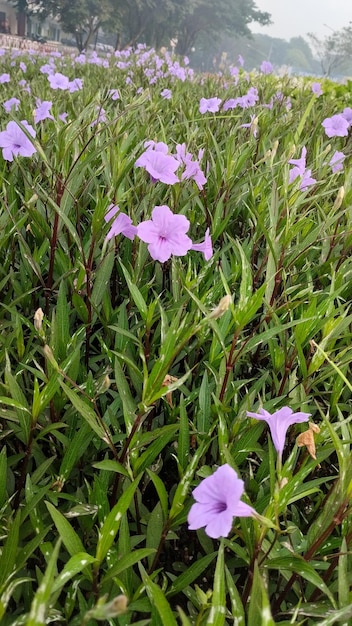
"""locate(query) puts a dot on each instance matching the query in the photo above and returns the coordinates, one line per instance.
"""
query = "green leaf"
(60, 326)
(259, 607)
(246, 314)
(23, 412)
(149, 456)
(6, 596)
(184, 485)
(204, 415)
(298, 565)
(157, 598)
(161, 491)
(237, 610)
(218, 600)
(101, 280)
(128, 403)
(183, 447)
(74, 565)
(3, 476)
(69, 537)
(41, 601)
(75, 450)
(85, 410)
(136, 294)
(9, 552)
(127, 561)
(111, 525)
(343, 580)
(342, 616)
(192, 573)
(110, 465)
(154, 529)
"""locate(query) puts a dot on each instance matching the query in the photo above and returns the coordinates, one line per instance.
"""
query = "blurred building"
(17, 23)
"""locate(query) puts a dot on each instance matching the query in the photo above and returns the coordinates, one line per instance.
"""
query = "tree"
(156, 22)
(334, 50)
(153, 22)
(81, 18)
(217, 19)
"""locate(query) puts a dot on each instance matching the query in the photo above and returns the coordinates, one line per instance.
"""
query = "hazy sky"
(298, 17)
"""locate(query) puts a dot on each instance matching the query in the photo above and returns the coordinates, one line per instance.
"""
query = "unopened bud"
(274, 150)
(38, 319)
(339, 198)
(106, 382)
(221, 308)
(103, 384)
(291, 153)
(102, 612)
(48, 353)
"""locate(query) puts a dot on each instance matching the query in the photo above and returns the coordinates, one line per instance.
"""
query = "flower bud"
(38, 319)
(339, 198)
(221, 308)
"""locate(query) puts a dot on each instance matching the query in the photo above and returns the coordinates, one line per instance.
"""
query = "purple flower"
(114, 93)
(279, 422)
(47, 68)
(250, 98)
(218, 502)
(160, 146)
(75, 85)
(234, 72)
(209, 105)
(252, 125)
(9, 104)
(300, 165)
(192, 169)
(14, 141)
(5, 78)
(63, 117)
(101, 117)
(42, 112)
(266, 67)
(206, 247)
(165, 233)
(316, 89)
(166, 94)
(347, 114)
(336, 126)
(307, 180)
(121, 224)
(23, 83)
(159, 165)
(336, 161)
(240, 60)
(232, 103)
(58, 81)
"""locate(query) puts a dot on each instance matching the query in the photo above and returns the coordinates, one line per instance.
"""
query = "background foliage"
(152, 21)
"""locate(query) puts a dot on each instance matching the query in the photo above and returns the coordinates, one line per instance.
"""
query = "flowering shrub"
(175, 275)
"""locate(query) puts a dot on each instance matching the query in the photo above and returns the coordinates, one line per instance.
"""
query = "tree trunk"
(21, 23)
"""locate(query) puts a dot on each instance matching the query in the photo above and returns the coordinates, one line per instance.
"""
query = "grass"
(100, 450)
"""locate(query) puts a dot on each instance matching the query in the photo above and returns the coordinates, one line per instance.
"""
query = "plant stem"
(53, 246)
(160, 546)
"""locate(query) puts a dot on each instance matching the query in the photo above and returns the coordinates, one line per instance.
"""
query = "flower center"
(220, 507)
